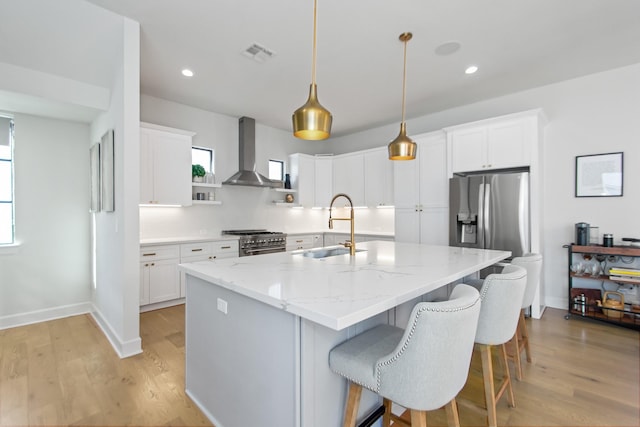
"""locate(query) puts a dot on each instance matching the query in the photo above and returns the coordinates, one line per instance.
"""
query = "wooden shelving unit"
(628, 317)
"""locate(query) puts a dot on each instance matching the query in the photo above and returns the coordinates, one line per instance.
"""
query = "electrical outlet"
(222, 305)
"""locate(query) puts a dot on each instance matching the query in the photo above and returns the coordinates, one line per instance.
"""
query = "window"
(202, 156)
(6, 181)
(276, 170)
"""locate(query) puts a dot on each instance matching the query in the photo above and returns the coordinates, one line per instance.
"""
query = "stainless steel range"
(259, 242)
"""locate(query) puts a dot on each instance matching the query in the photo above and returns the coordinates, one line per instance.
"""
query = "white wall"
(116, 292)
(48, 274)
(589, 115)
(243, 207)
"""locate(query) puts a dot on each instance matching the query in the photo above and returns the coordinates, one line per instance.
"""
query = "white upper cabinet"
(302, 170)
(378, 178)
(348, 177)
(165, 165)
(498, 143)
(323, 181)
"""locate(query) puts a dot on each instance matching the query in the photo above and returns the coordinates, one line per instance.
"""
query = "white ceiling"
(517, 44)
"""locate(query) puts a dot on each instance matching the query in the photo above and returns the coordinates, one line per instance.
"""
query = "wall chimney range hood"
(247, 174)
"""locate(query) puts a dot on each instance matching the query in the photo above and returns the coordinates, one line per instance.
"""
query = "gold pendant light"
(403, 148)
(312, 121)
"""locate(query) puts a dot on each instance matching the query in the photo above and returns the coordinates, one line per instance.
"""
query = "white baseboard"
(122, 348)
(44, 315)
(163, 304)
(555, 302)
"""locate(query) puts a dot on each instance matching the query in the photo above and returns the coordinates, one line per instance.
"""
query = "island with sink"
(259, 329)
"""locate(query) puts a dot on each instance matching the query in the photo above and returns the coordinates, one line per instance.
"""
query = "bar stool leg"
(353, 403)
(507, 377)
(489, 388)
(453, 420)
(418, 418)
(525, 336)
(386, 418)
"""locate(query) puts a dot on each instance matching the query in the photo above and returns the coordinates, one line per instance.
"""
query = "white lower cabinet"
(159, 278)
(304, 241)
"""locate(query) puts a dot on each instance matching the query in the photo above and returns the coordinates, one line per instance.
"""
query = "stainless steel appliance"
(582, 233)
(259, 242)
(490, 211)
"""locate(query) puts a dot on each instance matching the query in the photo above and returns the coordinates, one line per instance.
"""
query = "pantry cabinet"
(421, 193)
(497, 143)
(378, 178)
(165, 165)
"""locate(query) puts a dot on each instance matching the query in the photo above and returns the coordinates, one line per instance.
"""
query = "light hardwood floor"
(64, 372)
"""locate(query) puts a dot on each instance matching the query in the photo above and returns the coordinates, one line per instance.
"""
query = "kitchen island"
(259, 329)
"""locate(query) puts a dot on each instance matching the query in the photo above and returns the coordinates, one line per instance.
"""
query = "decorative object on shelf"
(197, 173)
(607, 240)
(599, 175)
(617, 305)
(312, 121)
(106, 172)
(288, 198)
(582, 233)
(403, 147)
(287, 181)
(210, 178)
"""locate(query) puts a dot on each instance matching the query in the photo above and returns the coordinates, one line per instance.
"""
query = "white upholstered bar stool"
(520, 341)
(501, 296)
(421, 368)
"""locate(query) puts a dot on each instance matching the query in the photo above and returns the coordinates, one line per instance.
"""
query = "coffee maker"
(582, 234)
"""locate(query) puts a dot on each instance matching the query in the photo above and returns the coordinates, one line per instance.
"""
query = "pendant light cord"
(404, 79)
(313, 61)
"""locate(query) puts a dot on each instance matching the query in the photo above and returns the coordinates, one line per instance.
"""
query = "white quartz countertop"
(340, 291)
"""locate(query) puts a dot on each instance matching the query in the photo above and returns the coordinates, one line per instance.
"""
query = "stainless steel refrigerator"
(490, 211)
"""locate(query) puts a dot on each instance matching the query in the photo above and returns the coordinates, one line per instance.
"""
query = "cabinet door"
(348, 177)
(183, 279)
(146, 169)
(378, 178)
(226, 249)
(434, 226)
(507, 144)
(302, 170)
(407, 225)
(406, 184)
(434, 183)
(468, 152)
(323, 181)
(144, 283)
(164, 281)
(172, 169)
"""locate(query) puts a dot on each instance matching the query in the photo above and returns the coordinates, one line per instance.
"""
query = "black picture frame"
(600, 175)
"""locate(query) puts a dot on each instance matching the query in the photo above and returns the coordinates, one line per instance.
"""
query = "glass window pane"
(5, 181)
(6, 223)
(276, 169)
(204, 157)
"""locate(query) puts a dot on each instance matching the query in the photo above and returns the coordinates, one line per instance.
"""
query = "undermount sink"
(326, 252)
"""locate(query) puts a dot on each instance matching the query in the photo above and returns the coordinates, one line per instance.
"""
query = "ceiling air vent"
(258, 53)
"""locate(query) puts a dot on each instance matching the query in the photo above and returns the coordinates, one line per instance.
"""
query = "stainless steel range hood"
(247, 174)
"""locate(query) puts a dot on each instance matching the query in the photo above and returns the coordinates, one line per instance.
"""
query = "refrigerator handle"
(485, 213)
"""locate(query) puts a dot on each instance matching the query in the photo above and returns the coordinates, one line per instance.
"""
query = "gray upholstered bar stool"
(421, 368)
(501, 296)
(520, 341)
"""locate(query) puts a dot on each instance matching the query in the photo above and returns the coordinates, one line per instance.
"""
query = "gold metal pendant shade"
(312, 121)
(403, 148)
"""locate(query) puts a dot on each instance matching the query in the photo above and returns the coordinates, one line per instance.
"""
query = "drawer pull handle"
(299, 241)
(225, 247)
(149, 254)
(196, 250)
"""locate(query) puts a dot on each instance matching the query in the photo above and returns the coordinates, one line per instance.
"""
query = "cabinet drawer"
(153, 253)
(195, 249)
(225, 249)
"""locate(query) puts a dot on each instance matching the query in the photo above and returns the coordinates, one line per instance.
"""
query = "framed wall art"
(599, 175)
(94, 158)
(106, 172)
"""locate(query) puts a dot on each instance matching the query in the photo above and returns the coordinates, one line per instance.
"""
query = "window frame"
(11, 201)
(211, 166)
(281, 163)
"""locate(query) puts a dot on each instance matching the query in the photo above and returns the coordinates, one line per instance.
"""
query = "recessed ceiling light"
(471, 69)
(447, 48)
(187, 72)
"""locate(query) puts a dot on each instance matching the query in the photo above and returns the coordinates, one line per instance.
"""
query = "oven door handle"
(272, 249)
